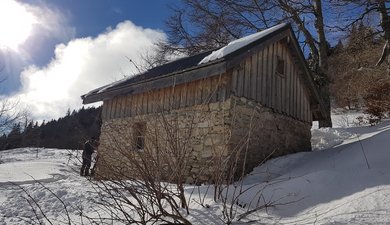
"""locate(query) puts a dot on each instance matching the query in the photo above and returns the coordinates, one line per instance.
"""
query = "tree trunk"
(323, 62)
(385, 24)
(385, 19)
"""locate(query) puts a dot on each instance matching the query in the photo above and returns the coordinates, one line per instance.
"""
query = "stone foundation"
(191, 138)
(258, 134)
(204, 141)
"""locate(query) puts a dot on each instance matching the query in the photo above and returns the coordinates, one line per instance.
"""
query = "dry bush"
(353, 73)
(378, 100)
(148, 179)
(147, 185)
(144, 183)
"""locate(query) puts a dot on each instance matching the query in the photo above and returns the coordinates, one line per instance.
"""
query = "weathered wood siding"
(202, 91)
(256, 78)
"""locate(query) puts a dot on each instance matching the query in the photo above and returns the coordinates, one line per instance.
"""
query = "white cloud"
(82, 65)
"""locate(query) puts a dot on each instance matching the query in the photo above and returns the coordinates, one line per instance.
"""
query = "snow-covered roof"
(240, 43)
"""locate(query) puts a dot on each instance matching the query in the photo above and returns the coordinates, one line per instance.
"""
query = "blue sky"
(56, 50)
(92, 17)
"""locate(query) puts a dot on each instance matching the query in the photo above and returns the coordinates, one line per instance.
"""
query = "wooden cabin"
(228, 109)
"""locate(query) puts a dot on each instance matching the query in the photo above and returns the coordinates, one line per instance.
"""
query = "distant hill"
(69, 132)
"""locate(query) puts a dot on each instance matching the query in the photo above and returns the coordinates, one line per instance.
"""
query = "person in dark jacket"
(89, 148)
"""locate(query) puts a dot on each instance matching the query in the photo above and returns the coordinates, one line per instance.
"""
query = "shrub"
(377, 100)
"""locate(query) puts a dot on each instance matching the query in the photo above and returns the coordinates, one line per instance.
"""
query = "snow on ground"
(332, 186)
(345, 181)
(38, 171)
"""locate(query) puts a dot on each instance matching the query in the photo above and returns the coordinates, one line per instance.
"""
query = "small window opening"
(139, 135)
(280, 66)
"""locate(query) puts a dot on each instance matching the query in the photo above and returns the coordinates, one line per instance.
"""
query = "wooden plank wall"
(203, 91)
(255, 78)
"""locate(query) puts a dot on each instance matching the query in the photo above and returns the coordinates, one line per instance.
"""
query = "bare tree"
(385, 24)
(317, 42)
(351, 76)
(10, 112)
(362, 11)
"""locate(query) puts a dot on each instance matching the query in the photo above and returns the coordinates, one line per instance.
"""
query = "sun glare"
(15, 24)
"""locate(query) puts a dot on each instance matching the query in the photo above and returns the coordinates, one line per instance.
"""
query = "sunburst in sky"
(16, 24)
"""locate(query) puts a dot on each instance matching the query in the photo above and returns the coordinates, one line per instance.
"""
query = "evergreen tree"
(69, 132)
(14, 138)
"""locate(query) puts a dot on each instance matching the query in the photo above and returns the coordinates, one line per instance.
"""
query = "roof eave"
(179, 77)
(316, 99)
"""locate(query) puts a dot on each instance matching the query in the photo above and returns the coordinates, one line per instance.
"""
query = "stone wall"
(194, 136)
(206, 141)
(258, 133)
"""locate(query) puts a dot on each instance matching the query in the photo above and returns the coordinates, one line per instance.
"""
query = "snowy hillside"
(346, 180)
